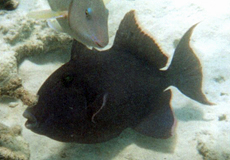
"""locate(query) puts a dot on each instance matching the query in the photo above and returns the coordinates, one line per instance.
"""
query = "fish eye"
(88, 12)
(67, 80)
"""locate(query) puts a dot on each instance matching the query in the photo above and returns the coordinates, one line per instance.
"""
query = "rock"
(9, 4)
(8, 66)
(12, 144)
(13, 88)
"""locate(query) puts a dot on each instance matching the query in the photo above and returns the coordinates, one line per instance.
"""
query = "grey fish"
(84, 20)
(98, 94)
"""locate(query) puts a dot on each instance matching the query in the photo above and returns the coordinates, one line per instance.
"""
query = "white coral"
(12, 144)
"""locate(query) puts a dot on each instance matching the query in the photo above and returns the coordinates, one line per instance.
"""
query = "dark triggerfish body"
(96, 95)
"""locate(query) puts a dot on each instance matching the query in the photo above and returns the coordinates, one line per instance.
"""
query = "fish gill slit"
(102, 106)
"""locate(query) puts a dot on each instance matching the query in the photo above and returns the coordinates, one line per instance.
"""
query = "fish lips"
(100, 42)
(31, 122)
(94, 41)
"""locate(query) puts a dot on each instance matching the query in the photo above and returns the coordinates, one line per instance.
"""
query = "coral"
(13, 88)
(12, 145)
(27, 37)
(22, 38)
(8, 4)
(8, 66)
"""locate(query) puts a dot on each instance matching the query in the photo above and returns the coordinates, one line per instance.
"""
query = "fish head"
(61, 111)
(88, 20)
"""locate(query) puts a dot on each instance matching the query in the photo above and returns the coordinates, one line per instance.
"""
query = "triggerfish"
(97, 94)
(84, 20)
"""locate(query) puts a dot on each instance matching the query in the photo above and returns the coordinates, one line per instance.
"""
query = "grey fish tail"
(185, 71)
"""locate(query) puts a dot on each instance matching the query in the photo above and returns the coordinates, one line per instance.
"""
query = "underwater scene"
(114, 80)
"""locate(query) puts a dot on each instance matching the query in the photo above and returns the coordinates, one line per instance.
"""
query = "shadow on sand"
(109, 150)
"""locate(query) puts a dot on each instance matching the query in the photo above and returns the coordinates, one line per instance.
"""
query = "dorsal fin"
(78, 49)
(132, 39)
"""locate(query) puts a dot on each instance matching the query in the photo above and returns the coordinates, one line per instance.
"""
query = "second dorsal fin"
(132, 39)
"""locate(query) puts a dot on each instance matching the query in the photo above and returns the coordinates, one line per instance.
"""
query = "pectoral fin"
(53, 23)
(160, 123)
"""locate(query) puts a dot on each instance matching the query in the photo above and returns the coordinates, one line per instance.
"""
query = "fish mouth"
(31, 120)
(99, 45)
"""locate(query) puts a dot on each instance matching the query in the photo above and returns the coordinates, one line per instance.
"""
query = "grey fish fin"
(60, 5)
(54, 25)
(160, 123)
(185, 71)
(131, 39)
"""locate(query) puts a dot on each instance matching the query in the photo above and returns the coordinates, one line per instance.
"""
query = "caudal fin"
(185, 71)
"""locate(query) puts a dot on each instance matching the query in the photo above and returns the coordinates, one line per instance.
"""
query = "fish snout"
(31, 120)
(100, 42)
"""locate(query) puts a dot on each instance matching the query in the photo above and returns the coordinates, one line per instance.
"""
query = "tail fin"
(185, 71)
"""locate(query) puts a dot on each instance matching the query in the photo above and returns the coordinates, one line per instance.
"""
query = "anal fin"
(160, 123)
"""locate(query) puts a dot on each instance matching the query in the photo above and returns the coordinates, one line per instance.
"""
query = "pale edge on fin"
(133, 39)
(147, 33)
(185, 71)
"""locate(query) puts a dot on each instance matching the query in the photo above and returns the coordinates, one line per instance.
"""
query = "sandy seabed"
(31, 51)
